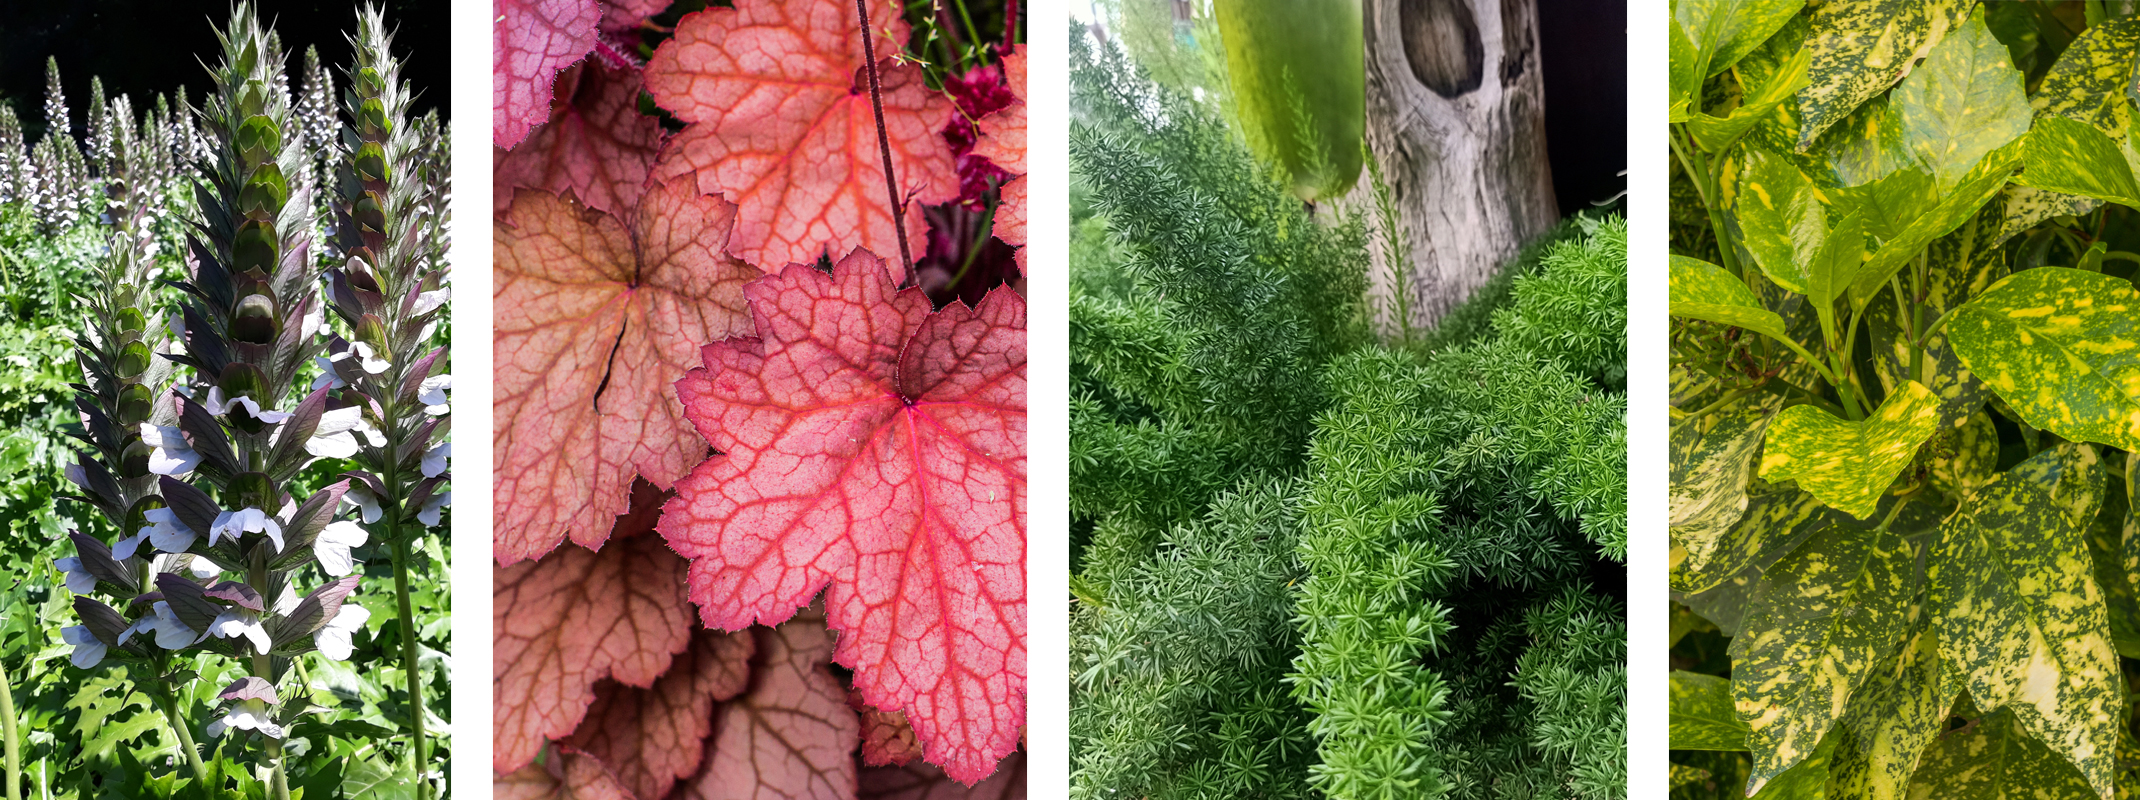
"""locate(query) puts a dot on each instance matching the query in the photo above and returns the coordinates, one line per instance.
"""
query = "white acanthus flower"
(434, 463)
(219, 405)
(333, 546)
(124, 548)
(373, 363)
(235, 524)
(315, 322)
(239, 621)
(79, 581)
(360, 496)
(247, 715)
(334, 641)
(432, 299)
(432, 393)
(172, 455)
(328, 377)
(166, 532)
(172, 634)
(428, 515)
(336, 436)
(88, 649)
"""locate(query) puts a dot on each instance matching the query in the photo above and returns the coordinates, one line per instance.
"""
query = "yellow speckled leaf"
(1770, 524)
(1955, 207)
(1701, 290)
(2072, 157)
(1958, 266)
(1965, 100)
(1819, 622)
(2062, 347)
(1724, 31)
(1995, 760)
(1807, 781)
(1899, 710)
(1701, 717)
(1782, 219)
(1847, 464)
(1716, 133)
(1864, 146)
(2028, 205)
(1684, 776)
(2106, 548)
(1975, 448)
(2131, 539)
(1684, 83)
(2020, 616)
(1709, 482)
(1891, 203)
(1862, 47)
(2088, 81)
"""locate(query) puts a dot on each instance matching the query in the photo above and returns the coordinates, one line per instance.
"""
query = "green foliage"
(1902, 536)
(1308, 564)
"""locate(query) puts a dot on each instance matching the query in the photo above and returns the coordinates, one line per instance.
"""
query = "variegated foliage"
(1905, 399)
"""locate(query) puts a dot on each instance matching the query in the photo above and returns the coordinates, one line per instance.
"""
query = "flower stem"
(410, 669)
(169, 705)
(7, 735)
(264, 666)
(884, 143)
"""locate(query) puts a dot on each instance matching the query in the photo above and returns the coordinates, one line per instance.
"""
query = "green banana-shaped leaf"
(1957, 267)
(1782, 219)
(1704, 291)
(1861, 47)
(1964, 101)
(2020, 617)
(1891, 203)
(1901, 708)
(1846, 464)
(1995, 760)
(1709, 483)
(1819, 622)
(2074, 158)
(2062, 347)
(1702, 718)
(1716, 133)
(1724, 31)
(1955, 207)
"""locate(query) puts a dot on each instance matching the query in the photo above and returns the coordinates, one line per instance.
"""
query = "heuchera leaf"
(921, 781)
(887, 739)
(792, 735)
(562, 624)
(1003, 142)
(596, 144)
(1702, 717)
(2019, 614)
(877, 449)
(780, 123)
(2062, 347)
(1849, 464)
(530, 40)
(1826, 615)
(653, 737)
(567, 776)
(595, 318)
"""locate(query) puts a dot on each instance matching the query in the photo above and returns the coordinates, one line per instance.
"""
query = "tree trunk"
(1456, 116)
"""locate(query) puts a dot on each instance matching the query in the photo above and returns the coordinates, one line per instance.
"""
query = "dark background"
(143, 48)
(1585, 62)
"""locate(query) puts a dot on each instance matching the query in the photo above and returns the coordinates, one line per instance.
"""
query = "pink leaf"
(781, 125)
(655, 736)
(568, 776)
(920, 781)
(877, 449)
(594, 319)
(561, 624)
(596, 144)
(887, 739)
(530, 40)
(792, 736)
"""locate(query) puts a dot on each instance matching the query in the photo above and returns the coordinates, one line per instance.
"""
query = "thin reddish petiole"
(884, 143)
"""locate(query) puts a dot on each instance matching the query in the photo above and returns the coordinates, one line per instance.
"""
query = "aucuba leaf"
(876, 451)
(1847, 464)
(1702, 717)
(1704, 291)
(2020, 616)
(1783, 219)
(792, 735)
(1775, 523)
(2072, 157)
(1860, 48)
(1826, 615)
(779, 123)
(562, 624)
(530, 40)
(1955, 206)
(1994, 760)
(595, 317)
(1709, 475)
(1716, 133)
(1902, 707)
(2089, 80)
(1724, 31)
(1963, 101)
(1958, 267)
(652, 737)
(2062, 347)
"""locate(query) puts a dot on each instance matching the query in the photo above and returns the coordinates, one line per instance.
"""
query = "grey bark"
(1456, 116)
